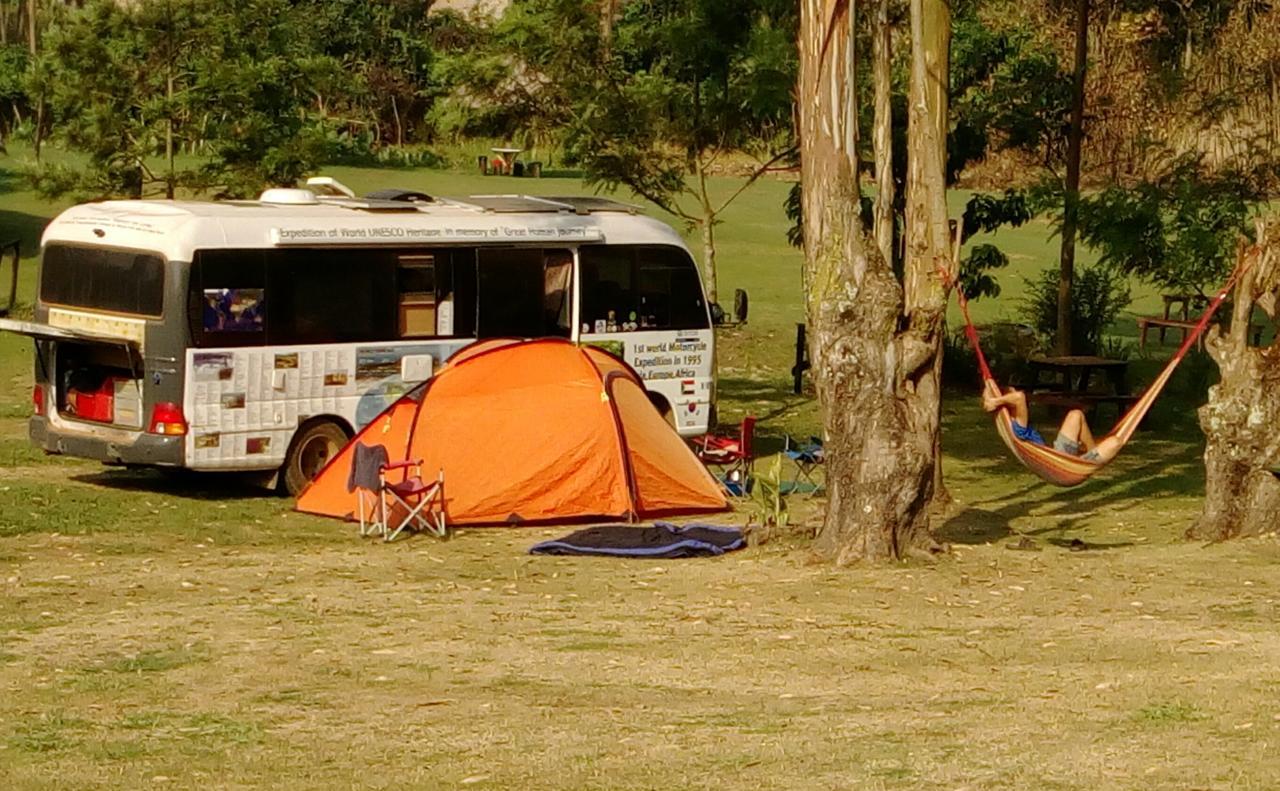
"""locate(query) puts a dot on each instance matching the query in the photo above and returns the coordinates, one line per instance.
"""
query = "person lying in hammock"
(1074, 437)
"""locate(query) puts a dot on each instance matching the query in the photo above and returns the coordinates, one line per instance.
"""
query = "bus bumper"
(151, 449)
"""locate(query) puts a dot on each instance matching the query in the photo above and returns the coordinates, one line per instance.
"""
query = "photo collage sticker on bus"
(233, 309)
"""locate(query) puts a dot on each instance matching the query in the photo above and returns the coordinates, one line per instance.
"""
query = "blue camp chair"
(807, 457)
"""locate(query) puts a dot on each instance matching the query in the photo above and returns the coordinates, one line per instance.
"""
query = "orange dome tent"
(532, 431)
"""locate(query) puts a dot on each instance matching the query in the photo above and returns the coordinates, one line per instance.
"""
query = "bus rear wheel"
(311, 450)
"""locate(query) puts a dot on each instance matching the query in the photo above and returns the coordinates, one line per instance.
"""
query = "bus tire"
(312, 448)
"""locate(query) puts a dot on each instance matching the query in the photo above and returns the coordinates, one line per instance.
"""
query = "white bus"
(259, 335)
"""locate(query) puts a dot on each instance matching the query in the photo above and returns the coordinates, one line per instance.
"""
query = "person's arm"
(991, 401)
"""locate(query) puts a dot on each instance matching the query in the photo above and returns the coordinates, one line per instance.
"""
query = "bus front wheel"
(312, 448)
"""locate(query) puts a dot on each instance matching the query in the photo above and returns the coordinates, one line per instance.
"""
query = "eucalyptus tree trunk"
(608, 18)
(171, 177)
(1071, 199)
(1241, 422)
(928, 232)
(882, 135)
(868, 353)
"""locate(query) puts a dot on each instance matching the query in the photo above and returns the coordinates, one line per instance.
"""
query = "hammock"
(1063, 469)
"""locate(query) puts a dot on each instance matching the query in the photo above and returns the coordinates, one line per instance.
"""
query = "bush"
(1098, 296)
(1006, 346)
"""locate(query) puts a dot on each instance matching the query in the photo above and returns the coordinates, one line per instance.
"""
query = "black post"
(802, 360)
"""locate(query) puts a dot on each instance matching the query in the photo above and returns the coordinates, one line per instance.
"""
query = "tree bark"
(608, 18)
(867, 355)
(31, 26)
(172, 175)
(928, 232)
(1241, 421)
(1071, 191)
(882, 137)
(707, 224)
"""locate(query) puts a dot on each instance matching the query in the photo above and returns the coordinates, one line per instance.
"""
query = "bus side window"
(608, 290)
(420, 311)
(331, 295)
(511, 286)
(557, 276)
(228, 299)
(436, 293)
(464, 285)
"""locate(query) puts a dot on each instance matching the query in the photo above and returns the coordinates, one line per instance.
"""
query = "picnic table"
(1076, 372)
(1181, 319)
(507, 156)
(1070, 380)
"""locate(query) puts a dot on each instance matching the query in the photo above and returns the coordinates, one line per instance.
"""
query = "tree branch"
(667, 206)
(760, 171)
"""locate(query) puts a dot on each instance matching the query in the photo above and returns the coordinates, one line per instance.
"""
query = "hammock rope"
(1062, 469)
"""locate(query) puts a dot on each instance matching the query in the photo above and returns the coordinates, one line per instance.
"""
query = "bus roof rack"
(513, 204)
(586, 204)
(518, 204)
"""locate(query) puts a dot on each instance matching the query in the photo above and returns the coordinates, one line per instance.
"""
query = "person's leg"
(1074, 436)
(1072, 426)
(1086, 436)
(1107, 448)
(1018, 400)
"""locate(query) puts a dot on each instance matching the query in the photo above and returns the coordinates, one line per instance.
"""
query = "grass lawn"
(187, 632)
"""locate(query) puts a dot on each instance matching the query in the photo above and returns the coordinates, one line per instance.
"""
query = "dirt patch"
(991, 669)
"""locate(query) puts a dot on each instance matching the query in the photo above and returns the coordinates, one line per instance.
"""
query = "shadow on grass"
(26, 228)
(10, 180)
(769, 401)
(1164, 469)
(184, 484)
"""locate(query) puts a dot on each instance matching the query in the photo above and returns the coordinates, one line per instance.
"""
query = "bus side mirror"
(9, 254)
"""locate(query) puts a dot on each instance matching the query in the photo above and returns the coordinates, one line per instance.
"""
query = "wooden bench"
(1185, 325)
(1085, 402)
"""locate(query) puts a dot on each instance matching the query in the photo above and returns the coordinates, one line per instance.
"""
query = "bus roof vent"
(289, 197)
(406, 196)
(327, 186)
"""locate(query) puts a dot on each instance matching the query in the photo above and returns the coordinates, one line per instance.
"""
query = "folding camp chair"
(388, 507)
(732, 456)
(807, 458)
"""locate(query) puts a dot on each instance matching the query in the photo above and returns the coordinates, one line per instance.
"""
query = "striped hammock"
(1063, 469)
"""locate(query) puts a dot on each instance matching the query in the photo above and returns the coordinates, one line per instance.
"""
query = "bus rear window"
(113, 280)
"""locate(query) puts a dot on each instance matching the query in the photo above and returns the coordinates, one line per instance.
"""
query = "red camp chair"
(730, 455)
(409, 503)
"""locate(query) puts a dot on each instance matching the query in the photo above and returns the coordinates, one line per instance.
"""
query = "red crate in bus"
(97, 405)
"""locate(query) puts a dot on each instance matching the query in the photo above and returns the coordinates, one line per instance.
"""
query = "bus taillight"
(37, 399)
(167, 418)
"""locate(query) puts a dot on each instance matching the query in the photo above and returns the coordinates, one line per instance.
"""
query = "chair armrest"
(400, 465)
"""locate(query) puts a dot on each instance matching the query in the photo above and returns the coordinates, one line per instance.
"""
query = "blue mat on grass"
(661, 540)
